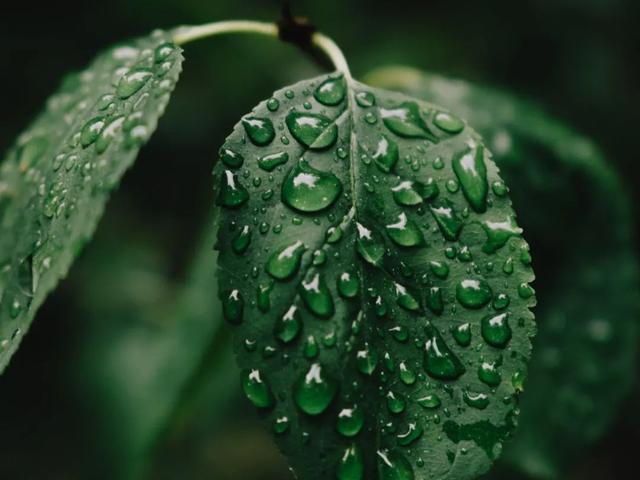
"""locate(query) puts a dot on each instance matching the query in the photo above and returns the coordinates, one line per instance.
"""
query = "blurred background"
(109, 383)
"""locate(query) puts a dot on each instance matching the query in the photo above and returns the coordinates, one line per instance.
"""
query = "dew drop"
(288, 326)
(392, 465)
(315, 390)
(280, 425)
(241, 241)
(407, 375)
(257, 389)
(351, 465)
(232, 193)
(231, 158)
(413, 433)
(91, 131)
(473, 293)
(447, 219)
(272, 161)
(489, 374)
(232, 306)
(469, 166)
(404, 232)
(434, 300)
(309, 190)
(285, 262)
(386, 154)
(259, 130)
(350, 421)
(430, 401)
(405, 299)
(348, 285)
(498, 233)
(439, 361)
(316, 295)
(495, 330)
(476, 400)
(312, 130)
(132, 81)
(366, 360)
(365, 99)
(109, 132)
(462, 334)
(448, 122)
(406, 121)
(410, 193)
(395, 403)
(369, 245)
(331, 92)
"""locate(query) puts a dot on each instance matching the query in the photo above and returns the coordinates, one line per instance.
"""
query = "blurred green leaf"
(340, 266)
(577, 218)
(55, 181)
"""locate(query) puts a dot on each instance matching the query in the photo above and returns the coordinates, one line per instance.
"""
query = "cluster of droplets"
(309, 191)
(70, 158)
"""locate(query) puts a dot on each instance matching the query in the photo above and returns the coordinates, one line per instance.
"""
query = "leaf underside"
(579, 225)
(377, 282)
(55, 181)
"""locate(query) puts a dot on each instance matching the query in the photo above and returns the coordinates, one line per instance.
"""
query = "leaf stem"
(186, 34)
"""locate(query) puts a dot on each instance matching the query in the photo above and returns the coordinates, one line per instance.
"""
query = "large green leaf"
(577, 219)
(377, 281)
(55, 181)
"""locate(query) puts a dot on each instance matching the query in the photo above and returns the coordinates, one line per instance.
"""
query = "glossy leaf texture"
(577, 218)
(377, 284)
(56, 179)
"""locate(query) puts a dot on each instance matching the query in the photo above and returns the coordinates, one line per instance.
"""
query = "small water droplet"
(316, 295)
(331, 92)
(273, 160)
(434, 300)
(231, 158)
(369, 245)
(407, 375)
(366, 360)
(495, 329)
(447, 219)
(386, 154)
(280, 425)
(365, 99)
(405, 299)
(430, 401)
(476, 400)
(413, 433)
(392, 465)
(439, 361)
(288, 326)
(242, 240)
(232, 306)
(410, 193)
(273, 104)
(91, 131)
(473, 293)
(348, 285)
(350, 421)
(448, 122)
(395, 403)
(232, 193)
(469, 166)
(462, 334)
(406, 121)
(132, 81)
(404, 232)
(351, 465)
(489, 374)
(498, 233)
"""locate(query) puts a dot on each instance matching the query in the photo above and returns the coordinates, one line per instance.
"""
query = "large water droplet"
(351, 465)
(288, 326)
(471, 171)
(405, 232)
(448, 122)
(91, 131)
(406, 121)
(108, 134)
(386, 154)
(259, 130)
(316, 295)
(309, 190)
(473, 293)
(285, 262)
(273, 160)
(312, 130)
(392, 465)
(232, 192)
(348, 285)
(350, 421)
(439, 361)
(331, 92)
(495, 329)
(257, 389)
(132, 81)
(315, 390)
(447, 219)
(232, 306)
(369, 245)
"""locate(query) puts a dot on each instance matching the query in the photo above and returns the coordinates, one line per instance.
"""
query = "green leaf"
(375, 283)
(577, 218)
(55, 181)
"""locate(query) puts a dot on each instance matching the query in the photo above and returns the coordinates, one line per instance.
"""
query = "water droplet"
(369, 245)
(495, 330)
(434, 300)
(366, 360)
(133, 81)
(406, 121)
(430, 401)
(309, 190)
(259, 130)
(365, 99)
(280, 425)
(91, 131)
(489, 374)
(272, 161)
(439, 269)
(285, 262)
(439, 361)
(232, 192)
(163, 51)
(257, 389)
(386, 154)
(499, 188)
(407, 375)
(350, 421)
(351, 465)
(348, 285)
(448, 122)
(473, 293)
(525, 291)
(232, 306)
(331, 92)
(311, 348)
(334, 234)
(476, 400)
(288, 326)
(447, 219)
(263, 297)
(315, 390)
(405, 299)
(230, 158)
(413, 433)
(316, 295)
(242, 240)
(498, 233)
(404, 232)
(462, 334)
(470, 168)
(501, 301)
(392, 465)
(314, 131)
(395, 403)
(109, 132)
(273, 104)
(409, 193)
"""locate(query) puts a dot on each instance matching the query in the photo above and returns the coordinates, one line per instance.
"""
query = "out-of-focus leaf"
(576, 214)
(55, 181)
(378, 286)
